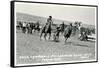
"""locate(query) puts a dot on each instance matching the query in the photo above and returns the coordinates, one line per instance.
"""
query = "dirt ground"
(30, 49)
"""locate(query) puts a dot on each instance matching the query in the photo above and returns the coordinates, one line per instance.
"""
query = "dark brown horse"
(67, 32)
(46, 30)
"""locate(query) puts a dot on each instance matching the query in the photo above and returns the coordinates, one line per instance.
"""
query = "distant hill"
(32, 18)
(29, 18)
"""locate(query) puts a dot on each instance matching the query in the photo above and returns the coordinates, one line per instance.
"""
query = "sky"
(86, 15)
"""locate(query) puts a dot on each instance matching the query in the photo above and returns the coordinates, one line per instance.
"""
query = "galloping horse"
(36, 27)
(68, 32)
(47, 28)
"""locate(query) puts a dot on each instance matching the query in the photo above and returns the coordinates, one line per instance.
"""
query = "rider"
(37, 24)
(49, 24)
(49, 20)
(67, 32)
(62, 26)
(24, 27)
(56, 34)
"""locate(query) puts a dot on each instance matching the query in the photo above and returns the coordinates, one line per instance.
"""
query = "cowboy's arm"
(51, 21)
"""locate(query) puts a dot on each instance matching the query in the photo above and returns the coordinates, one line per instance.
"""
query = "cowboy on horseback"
(68, 32)
(47, 28)
(62, 26)
(49, 24)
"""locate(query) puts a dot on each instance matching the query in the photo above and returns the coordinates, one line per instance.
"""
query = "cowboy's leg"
(24, 30)
(45, 34)
(65, 39)
(41, 35)
(58, 37)
(49, 35)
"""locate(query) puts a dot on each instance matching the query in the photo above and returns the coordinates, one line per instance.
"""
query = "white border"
(53, 62)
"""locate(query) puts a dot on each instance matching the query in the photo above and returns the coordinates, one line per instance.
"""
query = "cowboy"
(62, 26)
(24, 27)
(56, 34)
(48, 27)
(67, 32)
(49, 20)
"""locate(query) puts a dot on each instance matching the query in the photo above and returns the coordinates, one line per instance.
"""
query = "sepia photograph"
(54, 33)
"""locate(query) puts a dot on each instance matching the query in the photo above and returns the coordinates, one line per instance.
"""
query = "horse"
(19, 25)
(24, 27)
(46, 29)
(29, 28)
(62, 27)
(36, 27)
(56, 34)
(67, 32)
